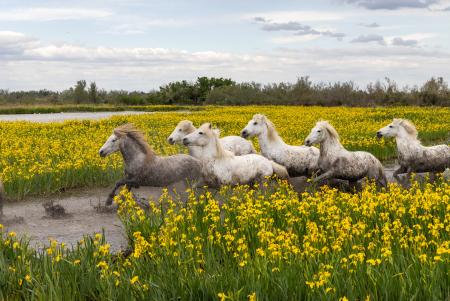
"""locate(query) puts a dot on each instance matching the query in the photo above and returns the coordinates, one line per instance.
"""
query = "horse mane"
(136, 135)
(407, 125)
(331, 130)
(271, 130)
(186, 125)
(214, 134)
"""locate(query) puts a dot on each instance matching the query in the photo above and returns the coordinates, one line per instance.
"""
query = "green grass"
(210, 245)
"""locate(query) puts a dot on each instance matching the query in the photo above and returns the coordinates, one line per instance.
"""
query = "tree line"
(225, 91)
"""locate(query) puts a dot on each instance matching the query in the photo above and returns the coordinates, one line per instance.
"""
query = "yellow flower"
(221, 296)
(134, 280)
(28, 278)
(76, 261)
(252, 297)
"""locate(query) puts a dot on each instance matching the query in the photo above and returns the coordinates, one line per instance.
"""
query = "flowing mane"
(271, 131)
(331, 130)
(407, 125)
(132, 132)
(213, 134)
(186, 126)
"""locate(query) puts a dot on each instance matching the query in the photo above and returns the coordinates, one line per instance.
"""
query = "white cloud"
(294, 39)
(42, 14)
(35, 65)
(295, 16)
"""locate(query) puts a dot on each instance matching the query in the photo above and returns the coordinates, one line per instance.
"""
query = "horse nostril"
(185, 140)
(379, 135)
(307, 142)
(244, 133)
(170, 140)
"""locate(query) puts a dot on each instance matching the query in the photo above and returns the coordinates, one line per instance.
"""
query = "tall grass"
(248, 243)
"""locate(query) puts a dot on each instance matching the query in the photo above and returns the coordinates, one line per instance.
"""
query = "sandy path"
(83, 218)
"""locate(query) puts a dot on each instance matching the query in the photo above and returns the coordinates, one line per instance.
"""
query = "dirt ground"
(80, 216)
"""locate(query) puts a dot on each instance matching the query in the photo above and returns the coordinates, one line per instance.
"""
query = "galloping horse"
(412, 155)
(299, 160)
(142, 166)
(222, 167)
(235, 144)
(336, 162)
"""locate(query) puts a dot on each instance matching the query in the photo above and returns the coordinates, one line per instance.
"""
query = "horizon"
(141, 45)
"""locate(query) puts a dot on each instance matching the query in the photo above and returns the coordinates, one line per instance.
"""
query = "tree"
(80, 94)
(93, 92)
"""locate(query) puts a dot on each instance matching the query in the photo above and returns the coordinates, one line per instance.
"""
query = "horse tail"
(280, 170)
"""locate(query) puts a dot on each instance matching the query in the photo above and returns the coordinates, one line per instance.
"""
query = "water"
(51, 117)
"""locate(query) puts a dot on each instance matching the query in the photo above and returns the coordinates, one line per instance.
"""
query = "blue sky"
(140, 45)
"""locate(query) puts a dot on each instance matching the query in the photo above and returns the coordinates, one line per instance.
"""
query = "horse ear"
(209, 125)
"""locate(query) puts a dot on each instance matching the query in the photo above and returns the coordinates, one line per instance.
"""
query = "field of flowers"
(240, 243)
(252, 244)
(47, 158)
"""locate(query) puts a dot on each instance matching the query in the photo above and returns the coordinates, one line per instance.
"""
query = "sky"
(141, 45)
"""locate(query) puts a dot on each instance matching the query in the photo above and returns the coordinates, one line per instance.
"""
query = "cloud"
(296, 27)
(298, 16)
(402, 42)
(370, 25)
(392, 4)
(369, 38)
(14, 43)
(32, 64)
(42, 14)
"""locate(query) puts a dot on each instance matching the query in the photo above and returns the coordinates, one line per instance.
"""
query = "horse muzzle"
(308, 143)
(186, 142)
(102, 153)
(244, 134)
(171, 141)
(379, 135)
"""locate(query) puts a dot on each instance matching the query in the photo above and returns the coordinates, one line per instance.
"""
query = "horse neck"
(330, 146)
(268, 143)
(407, 143)
(214, 150)
(132, 153)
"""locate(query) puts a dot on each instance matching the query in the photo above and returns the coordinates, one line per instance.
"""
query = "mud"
(69, 216)
(80, 215)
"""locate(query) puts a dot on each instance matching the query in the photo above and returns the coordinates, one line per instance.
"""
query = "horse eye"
(200, 133)
(255, 123)
(319, 131)
(179, 130)
(391, 126)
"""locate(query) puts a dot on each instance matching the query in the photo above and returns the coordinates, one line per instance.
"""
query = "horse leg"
(129, 184)
(399, 171)
(325, 176)
(353, 185)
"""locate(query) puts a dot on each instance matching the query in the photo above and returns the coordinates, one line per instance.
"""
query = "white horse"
(235, 144)
(299, 160)
(412, 155)
(222, 167)
(336, 162)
